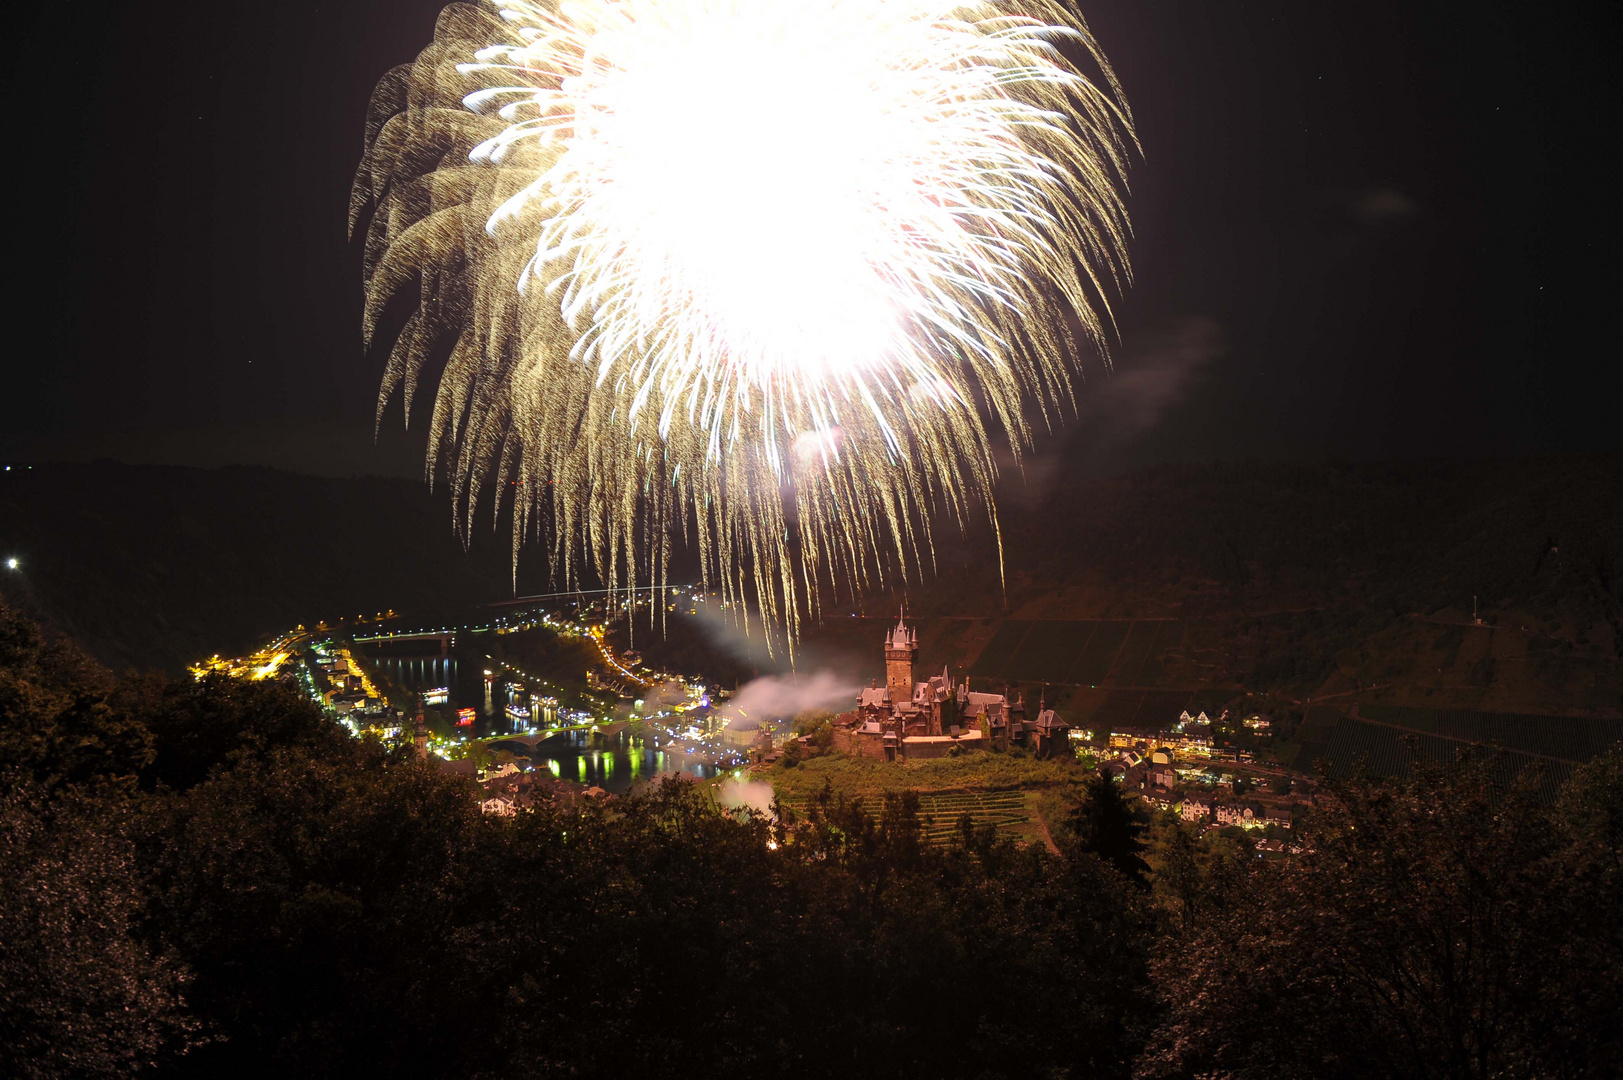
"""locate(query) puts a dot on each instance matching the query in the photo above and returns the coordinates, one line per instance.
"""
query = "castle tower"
(901, 646)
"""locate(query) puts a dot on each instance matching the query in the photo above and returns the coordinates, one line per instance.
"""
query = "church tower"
(419, 735)
(901, 646)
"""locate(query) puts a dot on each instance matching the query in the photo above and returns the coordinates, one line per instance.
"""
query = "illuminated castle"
(937, 716)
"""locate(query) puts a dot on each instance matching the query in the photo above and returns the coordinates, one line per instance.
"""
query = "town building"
(1195, 808)
(746, 733)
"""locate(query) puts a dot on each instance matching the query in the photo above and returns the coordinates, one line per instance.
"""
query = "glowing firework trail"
(767, 273)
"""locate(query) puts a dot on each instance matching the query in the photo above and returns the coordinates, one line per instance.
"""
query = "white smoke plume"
(738, 794)
(781, 697)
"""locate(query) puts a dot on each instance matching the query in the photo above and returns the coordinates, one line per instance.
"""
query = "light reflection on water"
(466, 683)
(419, 673)
(613, 764)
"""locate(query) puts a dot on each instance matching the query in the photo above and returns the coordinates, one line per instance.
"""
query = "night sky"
(1363, 230)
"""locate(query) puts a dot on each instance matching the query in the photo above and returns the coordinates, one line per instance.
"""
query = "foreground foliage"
(207, 880)
(1444, 927)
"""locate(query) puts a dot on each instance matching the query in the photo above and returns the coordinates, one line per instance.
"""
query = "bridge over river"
(443, 638)
(532, 741)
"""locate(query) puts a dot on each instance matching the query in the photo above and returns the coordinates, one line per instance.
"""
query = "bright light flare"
(686, 250)
(772, 218)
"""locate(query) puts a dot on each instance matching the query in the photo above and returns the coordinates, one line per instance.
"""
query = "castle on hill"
(935, 717)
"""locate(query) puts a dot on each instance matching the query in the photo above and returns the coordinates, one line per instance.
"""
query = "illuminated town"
(873, 539)
(627, 722)
(620, 721)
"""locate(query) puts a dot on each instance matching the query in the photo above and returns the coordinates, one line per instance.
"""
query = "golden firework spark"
(764, 273)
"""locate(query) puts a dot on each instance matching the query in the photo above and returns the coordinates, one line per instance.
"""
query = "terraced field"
(1049, 647)
(1136, 710)
(1001, 648)
(1008, 811)
(1096, 660)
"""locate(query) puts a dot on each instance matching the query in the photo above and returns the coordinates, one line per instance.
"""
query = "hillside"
(1329, 581)
(156, 567)
(1340, 583)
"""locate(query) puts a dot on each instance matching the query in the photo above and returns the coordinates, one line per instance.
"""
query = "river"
(614, 763)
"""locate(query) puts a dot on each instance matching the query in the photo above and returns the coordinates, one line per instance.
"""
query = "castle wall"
(849, 741)
(919, 748)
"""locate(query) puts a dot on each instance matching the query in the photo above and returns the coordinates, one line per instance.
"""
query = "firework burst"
(764, 273)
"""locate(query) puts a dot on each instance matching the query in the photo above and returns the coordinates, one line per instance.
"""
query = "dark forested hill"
(1295, 567)
(1546, 534)
(155, 567)
(1308, 580)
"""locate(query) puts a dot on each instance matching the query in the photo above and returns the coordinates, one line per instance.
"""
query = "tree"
(81, 995)
(316, 900)
(57, 724)
(1195, 873)
(1449, 925)
(199, 726)
(1107, 826)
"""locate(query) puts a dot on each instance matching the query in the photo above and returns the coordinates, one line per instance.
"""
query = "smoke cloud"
(1379, 204)
(1156, 374)
(780, 697)
(746, 794)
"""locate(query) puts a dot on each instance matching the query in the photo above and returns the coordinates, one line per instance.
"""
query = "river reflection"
(466, 685)
(416, 673)
(614, 763)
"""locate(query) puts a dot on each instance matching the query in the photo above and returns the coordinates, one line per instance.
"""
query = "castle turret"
(901, 646)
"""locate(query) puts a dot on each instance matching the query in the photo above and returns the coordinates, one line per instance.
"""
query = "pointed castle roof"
(901, 636)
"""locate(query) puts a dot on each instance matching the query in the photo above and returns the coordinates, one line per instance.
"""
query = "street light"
(11, 563)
